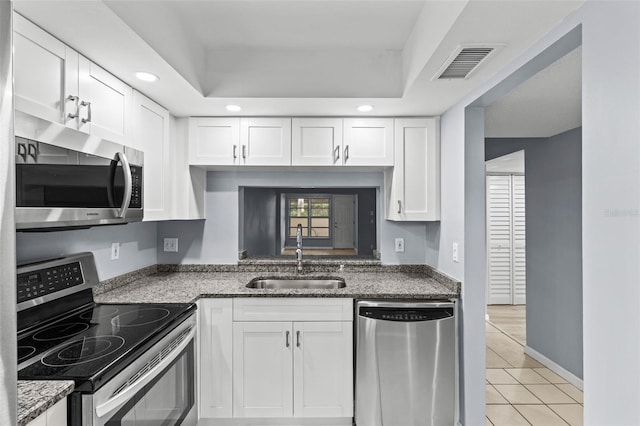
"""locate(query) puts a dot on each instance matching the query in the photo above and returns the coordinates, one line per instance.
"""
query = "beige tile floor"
(520, 390)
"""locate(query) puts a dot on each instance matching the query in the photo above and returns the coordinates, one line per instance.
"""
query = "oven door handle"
(128, 392)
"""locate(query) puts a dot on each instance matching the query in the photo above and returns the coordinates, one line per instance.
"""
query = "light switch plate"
(399, 245)
(171, 244)
(455, 253)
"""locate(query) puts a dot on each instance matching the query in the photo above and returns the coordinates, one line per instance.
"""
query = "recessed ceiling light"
(365, 108)
(233, 108)
(146, 76)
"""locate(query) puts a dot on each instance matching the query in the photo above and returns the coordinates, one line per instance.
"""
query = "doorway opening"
(534, 244)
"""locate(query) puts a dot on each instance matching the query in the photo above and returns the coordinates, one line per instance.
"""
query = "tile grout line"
(548, 382)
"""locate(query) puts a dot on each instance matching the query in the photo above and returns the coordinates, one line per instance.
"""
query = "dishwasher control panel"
(405, 314)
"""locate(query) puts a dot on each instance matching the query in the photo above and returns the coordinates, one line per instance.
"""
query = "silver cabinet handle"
(399, 206)
(346, 153)
(88, 105)
(287, 339)
(75, 99)
(298, 338)
(235, 155)
(336, 154)
(244, 151)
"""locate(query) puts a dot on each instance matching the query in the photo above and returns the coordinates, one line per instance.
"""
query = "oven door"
(156, 389)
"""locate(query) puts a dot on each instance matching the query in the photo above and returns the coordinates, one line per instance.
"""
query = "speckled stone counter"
(188, 283)
(35, 397)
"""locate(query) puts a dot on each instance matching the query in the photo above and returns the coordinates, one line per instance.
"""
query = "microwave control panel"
(136, 192)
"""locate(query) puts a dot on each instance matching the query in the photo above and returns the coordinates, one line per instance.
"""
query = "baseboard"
(560, 371)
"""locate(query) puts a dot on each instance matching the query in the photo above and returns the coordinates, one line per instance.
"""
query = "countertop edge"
(37, 396)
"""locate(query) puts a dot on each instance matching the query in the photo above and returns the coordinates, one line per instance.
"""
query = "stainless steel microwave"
(61, 187)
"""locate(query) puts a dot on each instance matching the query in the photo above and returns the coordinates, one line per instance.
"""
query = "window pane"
(298, 207)
(320, 232)
(320, 207)
(320, 223)
(293, 232)
(294, 222)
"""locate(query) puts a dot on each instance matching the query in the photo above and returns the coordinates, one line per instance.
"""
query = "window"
(313, 214)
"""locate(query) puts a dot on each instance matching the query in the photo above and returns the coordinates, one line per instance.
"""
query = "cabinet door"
(57, 415)
(215, 357)
(214, 141)
(414, 183)
(262, 369)
(368, 142)
(46, 74)
(323, 369)
(151, 135)
(316, 142)
(265, 141)
(106, 104)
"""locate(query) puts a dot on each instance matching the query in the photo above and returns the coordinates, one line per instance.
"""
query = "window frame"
(310, 239)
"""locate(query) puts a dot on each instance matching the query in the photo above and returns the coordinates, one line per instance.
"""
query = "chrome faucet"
(299, 248)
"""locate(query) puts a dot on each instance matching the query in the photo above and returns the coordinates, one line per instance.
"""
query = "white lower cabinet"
(276, 359)
(54, 416)
(262, 369)
(215, 357)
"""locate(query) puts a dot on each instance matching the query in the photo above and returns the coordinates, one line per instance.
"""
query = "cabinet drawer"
(292, 309)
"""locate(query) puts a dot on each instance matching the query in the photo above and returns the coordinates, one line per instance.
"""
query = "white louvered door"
(506, 240)
(519, 246)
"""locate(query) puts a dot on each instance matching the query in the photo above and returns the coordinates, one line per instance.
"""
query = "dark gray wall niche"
(553, 185)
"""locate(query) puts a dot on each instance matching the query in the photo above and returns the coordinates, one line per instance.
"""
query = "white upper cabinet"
(151, 135)
(45, 73)
(413, 185)
(368, 142)
(316, 142)
(105, 103)
(265, 141)
(214, 141)
(54, 82)
(234, 141)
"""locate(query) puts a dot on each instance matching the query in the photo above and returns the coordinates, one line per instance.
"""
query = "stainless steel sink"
(297, 283)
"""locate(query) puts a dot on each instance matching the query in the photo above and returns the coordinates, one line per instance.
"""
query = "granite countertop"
(188, 283)
(36, 396)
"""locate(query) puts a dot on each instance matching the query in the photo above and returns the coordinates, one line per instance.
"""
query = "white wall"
(137, 246)
(8, 351)
(610, 209)
(215, 241)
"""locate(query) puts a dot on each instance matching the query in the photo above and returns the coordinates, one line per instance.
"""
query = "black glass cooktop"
(94, 344)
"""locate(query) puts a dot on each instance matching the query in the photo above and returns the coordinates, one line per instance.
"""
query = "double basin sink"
(295, 283)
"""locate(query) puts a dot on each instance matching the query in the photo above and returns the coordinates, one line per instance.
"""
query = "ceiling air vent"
(464, 60)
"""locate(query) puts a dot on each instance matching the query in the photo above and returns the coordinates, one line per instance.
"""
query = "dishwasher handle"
(405, 314)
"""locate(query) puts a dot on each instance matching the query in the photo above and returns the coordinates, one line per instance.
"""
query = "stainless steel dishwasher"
(406, 363)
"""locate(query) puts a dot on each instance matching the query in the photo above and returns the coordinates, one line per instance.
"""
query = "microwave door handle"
(127, 393)
(128, 184)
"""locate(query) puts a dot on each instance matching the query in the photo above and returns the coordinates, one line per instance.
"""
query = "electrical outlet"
(171, 244)
(455, 252)
(115, 251)
(399, 245)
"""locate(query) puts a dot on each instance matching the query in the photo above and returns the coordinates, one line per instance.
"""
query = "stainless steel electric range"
(132, 364)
